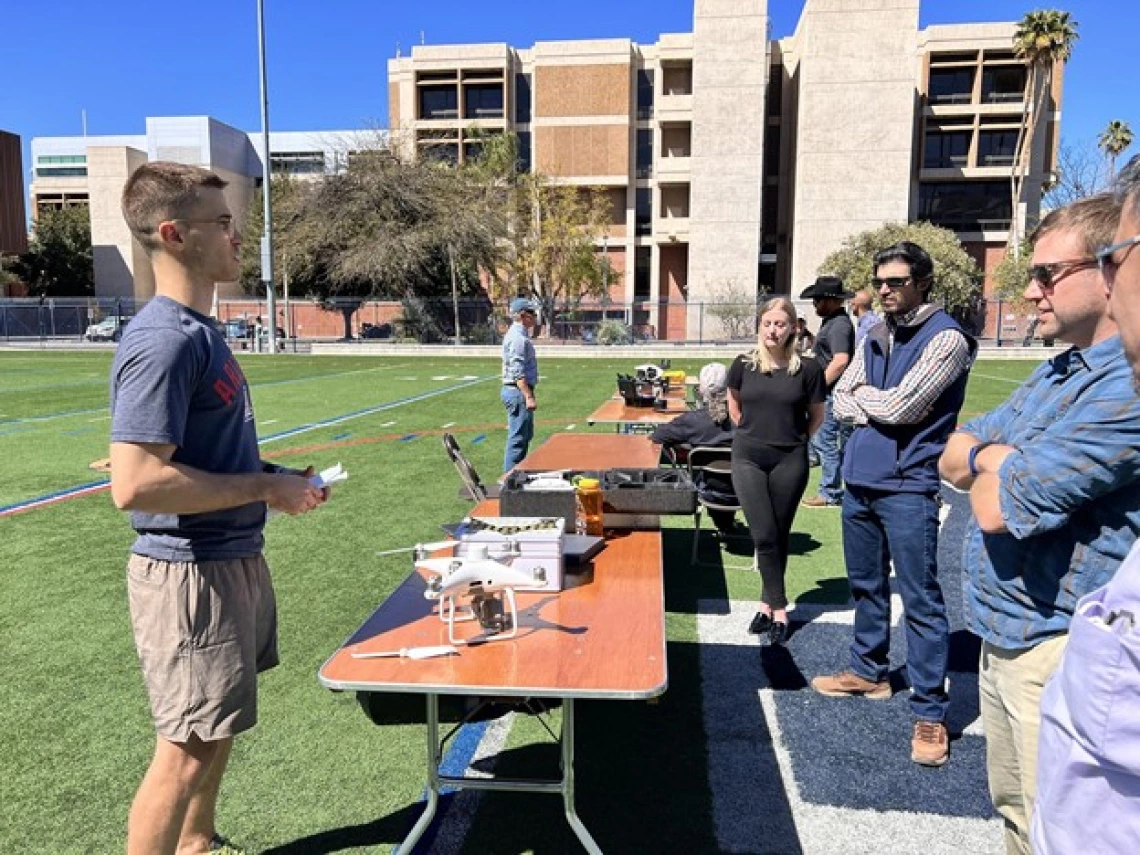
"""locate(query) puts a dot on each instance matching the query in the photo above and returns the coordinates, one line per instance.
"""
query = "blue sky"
(124, 60)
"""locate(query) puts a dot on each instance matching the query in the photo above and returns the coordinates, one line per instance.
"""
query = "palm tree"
(1043, 39)
(1113, 140)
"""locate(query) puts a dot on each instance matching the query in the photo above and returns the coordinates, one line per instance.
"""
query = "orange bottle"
(589, 506)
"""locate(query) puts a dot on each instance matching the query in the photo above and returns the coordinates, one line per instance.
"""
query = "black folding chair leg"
(696, 534)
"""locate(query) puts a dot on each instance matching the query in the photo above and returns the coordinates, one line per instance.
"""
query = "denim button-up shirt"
(518, 357)
(1069, 495)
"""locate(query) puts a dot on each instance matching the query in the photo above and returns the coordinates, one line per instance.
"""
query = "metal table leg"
(568, 779)
(433, 758)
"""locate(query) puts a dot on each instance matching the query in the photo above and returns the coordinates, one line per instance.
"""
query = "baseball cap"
(522, 304)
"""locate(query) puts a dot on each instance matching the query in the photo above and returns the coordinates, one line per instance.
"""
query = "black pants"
(770, 483)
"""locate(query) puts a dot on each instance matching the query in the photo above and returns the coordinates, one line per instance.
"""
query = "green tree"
(957, 279)
(385, 227)
(1043, 39)
(1113, 140)
(58, 262)
(550, 231)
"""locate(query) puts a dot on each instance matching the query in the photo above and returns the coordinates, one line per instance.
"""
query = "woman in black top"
(776, 399)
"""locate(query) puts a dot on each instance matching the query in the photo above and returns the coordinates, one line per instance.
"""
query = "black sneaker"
(761, 624)
(777, 633)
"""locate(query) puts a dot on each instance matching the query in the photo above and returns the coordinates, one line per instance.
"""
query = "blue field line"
(409, 437)
(480, 438)
(455, 763)
(283, 434)
(341, 436)
(58, 494)
(379, 408)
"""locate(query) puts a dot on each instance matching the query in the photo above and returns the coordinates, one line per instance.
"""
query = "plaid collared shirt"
(1069, 495)
(941, 362)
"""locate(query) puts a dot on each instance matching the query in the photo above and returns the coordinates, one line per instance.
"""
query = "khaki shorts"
(204, 630)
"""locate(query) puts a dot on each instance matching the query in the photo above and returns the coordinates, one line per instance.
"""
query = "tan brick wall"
(393, 105)
(582, 90)
(576, 150)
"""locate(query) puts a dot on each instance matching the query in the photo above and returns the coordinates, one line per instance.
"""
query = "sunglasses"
(892, 282)
(1048, 275)
(1106, 259)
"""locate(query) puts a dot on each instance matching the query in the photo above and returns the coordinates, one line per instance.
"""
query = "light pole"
(266, 182)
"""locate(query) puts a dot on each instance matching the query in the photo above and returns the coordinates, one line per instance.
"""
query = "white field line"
(995, 377)
(740, 769)
(457, 821)
(446, 426)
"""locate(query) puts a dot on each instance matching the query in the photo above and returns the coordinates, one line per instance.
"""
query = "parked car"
(108, 329)
(238, 328)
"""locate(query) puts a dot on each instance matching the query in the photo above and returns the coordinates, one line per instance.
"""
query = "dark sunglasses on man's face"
(892, 282)
(1048, 275)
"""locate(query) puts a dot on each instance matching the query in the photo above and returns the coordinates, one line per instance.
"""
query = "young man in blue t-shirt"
(185, 463)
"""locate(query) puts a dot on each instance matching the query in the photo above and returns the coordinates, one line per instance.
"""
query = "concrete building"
(13, 222)
(736, 162)
(91, 171)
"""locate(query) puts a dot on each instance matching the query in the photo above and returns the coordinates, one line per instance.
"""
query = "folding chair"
(711, 470)
(473, 488)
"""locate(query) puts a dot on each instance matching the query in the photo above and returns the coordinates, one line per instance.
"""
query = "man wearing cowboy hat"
(833, 347)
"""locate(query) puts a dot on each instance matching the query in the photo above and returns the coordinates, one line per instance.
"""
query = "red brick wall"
(674, 283)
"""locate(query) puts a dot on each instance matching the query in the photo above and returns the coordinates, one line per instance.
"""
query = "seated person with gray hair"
(709, 425)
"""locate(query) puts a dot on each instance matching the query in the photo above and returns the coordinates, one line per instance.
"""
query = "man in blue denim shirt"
(1088, 782)
(520, 376)
(1054, 482)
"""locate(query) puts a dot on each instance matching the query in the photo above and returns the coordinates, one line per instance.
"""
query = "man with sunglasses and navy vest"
(1054, 481)
(902, 392)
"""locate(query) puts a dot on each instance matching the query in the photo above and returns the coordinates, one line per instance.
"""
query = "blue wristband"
(972, 458)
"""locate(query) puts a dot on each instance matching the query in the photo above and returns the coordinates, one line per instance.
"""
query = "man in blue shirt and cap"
(520, 376)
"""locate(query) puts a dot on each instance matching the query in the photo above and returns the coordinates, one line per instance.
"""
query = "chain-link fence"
(470, 321)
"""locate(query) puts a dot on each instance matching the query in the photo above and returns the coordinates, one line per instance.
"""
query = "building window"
(1003, 85)
(643, 211)
(644, 153)
(645, 94)
(522, 98)
(946, 150)
(483, 101)
(439, 102)
(997, 148)
(48, 159)
(297, 162)
(642, 264)
(965, 206)
(524, 160)
(442, 152)
(951, 85)
(60, 171)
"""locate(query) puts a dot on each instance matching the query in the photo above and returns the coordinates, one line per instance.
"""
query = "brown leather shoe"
(846, 684)
(818, 502)
(930, 745)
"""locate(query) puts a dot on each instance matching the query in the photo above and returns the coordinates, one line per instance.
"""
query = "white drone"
(475, 586)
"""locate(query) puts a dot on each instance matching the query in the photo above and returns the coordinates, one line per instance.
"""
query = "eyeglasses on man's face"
(1109, 263)
(1048, 275)
(892, 282)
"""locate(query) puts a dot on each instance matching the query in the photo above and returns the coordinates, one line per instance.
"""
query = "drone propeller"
(433, 546)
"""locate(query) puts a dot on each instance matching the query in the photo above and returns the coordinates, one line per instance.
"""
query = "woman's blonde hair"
(759, 359)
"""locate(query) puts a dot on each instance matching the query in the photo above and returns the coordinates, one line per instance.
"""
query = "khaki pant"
(1010, 683)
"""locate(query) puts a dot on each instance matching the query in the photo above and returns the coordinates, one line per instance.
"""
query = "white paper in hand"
(330, 476)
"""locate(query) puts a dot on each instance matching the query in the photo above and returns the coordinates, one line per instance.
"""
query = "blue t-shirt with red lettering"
(174, 381)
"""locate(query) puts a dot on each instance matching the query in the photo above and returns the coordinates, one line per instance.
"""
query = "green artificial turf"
(316, 775)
